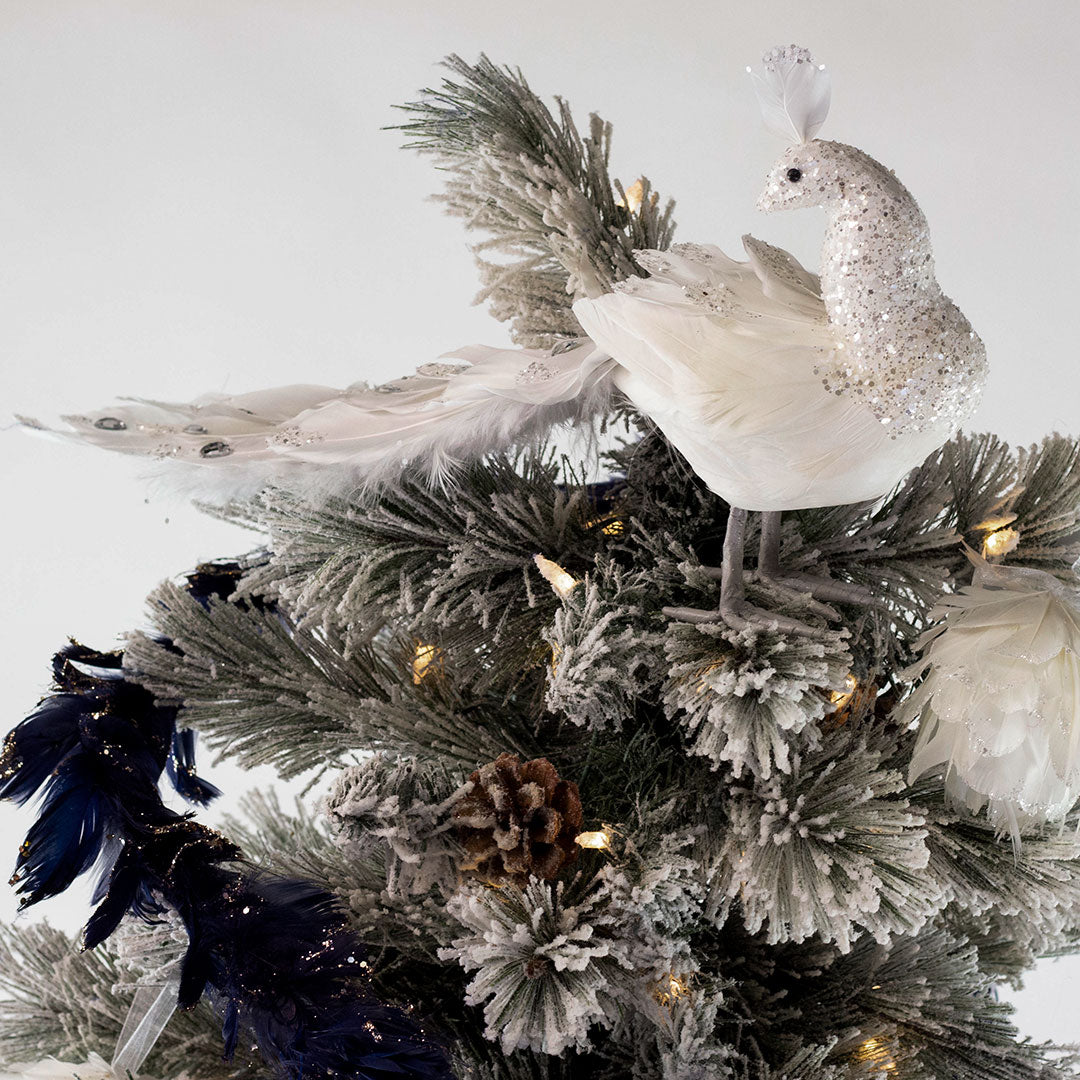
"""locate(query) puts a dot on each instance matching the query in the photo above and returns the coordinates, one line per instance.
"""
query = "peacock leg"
(735, 609)
(821, 588)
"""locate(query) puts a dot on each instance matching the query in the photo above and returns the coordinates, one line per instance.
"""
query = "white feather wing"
(721, 355)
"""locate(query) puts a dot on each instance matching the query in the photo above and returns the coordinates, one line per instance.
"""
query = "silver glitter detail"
(904, 348)
(294, 436)
(698, 253)
(165, 450)
(437, 370)
(654, 262)
(536, 372)
(715, 299)
(110, 423)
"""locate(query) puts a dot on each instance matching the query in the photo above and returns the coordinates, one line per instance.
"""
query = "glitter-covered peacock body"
(785, 390)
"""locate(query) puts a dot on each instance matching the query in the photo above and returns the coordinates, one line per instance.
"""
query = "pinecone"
(519, 819)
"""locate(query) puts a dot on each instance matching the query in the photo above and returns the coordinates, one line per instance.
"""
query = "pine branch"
(66, 1003)
(929, 991)
(266, 691)
(831, 848)
(539, 189)
(456, 572)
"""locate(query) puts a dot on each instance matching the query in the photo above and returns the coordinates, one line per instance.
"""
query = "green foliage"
(61, 1002)
(750, 697)
(606, 649)
(807, 839)
(457, 571)
(541, 192)
(765, 849)
(830, 848)
(65, 1003)
(925, 999)
(267, 691)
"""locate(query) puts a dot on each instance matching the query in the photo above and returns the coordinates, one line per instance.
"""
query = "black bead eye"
(794, 175)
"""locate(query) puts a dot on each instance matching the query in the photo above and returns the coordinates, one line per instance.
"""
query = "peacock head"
(794, 94)
(824, 173)
(808, 174)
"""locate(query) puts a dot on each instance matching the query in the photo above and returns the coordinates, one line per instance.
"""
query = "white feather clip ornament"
(999, 707)
(794, 93)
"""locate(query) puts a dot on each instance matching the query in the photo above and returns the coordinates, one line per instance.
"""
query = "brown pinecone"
(519, 819)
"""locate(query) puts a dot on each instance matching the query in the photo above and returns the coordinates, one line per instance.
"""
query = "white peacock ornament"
(784, 390)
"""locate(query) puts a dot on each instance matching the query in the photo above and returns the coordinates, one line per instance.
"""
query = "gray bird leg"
(820, 588)
(735, 609)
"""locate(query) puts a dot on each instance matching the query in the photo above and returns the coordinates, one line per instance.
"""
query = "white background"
(197, 196)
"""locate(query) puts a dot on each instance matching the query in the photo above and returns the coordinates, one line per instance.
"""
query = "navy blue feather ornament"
(180, 765)
(273, 955)
(96, 751)
(219, 580)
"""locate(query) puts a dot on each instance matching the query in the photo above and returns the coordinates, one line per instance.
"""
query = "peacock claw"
(820, 588)
(740, 614)
(802, 584)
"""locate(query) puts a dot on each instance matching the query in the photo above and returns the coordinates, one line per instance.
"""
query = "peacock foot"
(807, 593)
(740, 614)
(820, 588)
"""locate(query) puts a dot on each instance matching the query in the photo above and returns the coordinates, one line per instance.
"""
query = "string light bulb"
(608, 526)
(878, 1053)
(999, 539)
(562, 582)
(635, 196)
(670, 989)
(999, 543)
(599, 840)
(423, 658)
(838, 699)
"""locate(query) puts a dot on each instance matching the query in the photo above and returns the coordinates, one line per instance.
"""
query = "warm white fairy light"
(999, 543)
(562, 582)
(635, 196)
(423, 658)
(670, 989)
(608, 526)
(839, 698)
(877, 1052)
(598, 839)
(998, 538)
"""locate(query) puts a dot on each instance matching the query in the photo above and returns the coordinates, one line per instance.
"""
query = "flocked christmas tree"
(593, 808)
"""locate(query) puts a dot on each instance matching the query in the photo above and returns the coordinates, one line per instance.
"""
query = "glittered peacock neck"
(903, 346)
